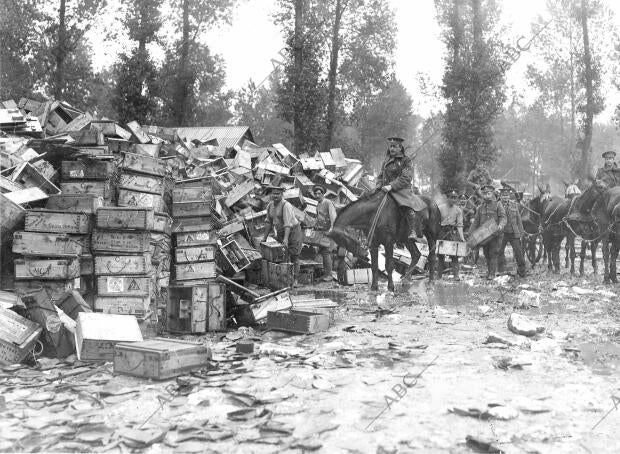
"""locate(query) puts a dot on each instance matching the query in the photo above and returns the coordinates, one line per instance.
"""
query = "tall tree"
(588, 78)
(473, 85)
(136, 86)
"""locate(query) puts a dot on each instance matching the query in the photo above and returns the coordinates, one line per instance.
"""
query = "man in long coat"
(396, 178)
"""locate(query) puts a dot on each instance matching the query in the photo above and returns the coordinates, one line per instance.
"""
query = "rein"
(373, 226)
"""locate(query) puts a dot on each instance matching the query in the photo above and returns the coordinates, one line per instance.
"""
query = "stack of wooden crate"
(276, 272)
(142, 182)
(51, 246)
(122, 250)
(192, 202)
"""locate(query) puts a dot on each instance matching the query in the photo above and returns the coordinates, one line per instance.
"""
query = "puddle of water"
(603, 357)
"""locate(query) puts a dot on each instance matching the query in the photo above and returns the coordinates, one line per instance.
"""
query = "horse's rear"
(607, 214)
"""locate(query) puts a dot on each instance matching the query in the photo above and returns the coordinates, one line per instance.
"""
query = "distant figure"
(572, 191)
(478, 177)
(451, 230)
(609, 174)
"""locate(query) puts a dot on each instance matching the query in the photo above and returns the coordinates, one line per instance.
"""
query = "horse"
(390, 228)
(551, 211)
(600, 208)
(531, 226)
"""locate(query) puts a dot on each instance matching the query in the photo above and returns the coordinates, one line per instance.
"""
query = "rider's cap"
(270, 189)
(487, 187)
(609, 154)
(395, 139)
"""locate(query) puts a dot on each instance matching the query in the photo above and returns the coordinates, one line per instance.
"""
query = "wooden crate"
(193, 224)
(144, 164)
(195, 254)
(191, 209)
(28, 176)
(53, 289)
(119, 265)
(159, 358)
(482, 234)
(357, 276)
(317, 238)
(197, 309)
(233, 255)
(139, 133)
(82, 203)
(107, 241)
(201, 193)
(273, 251)
(17, 336)
(52, 221)
(198, 270)
(46, 244)
(128, 198)
(238, 192)
(30, 268)
(72, 303)
(162, 223)
(93, 169)
(141, 183)
(123, 305)
(276, 275)
(125, 218)
(96, 334)
(452, 248)
(148, 149)
(87, 265)
(97, 188)
(11, 216)
(124, 285)
(298, 322)
(199, 238)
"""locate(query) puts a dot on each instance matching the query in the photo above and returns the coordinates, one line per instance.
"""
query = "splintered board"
(52, 221)
(159, 358)
(110, 265)
(122, 242)
(124, 218)
(123, 286)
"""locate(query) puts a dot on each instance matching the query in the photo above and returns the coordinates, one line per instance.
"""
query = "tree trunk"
(142, 40)
(298, 62)
(59, 78)
(333, 69)
(573, 98)
(184, 79)
(587, 126)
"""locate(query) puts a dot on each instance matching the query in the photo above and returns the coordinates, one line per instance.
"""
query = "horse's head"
(346, 240)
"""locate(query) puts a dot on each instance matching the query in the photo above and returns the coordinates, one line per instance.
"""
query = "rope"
(373, 226)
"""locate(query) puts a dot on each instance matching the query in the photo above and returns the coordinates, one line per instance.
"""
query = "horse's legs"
(582, 257)
(389, 263)
(431, 257)
(570, 244)
(415, 256)
(593, 248)
(555, 254)
(613, 256)
(605, 247)
(374, 265)
(567, 251)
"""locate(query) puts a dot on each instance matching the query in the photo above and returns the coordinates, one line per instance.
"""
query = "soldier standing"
(451, 229)
(513, 232)
(490, 209)
(609, 174)
(280, 215)
(325, 217)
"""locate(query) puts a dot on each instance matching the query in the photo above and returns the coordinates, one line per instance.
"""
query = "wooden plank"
(275, 303)
(82, 203)
(162, 223)
(97, 188)
(148, 149)
(144, 164)
(120, 265)
(46, 244)
(91, 169)
(198, 270)
(122, 305)
(51, 221)
(53, 289)
(141, 183)
(7, 185)
(18, 336)
(138, 133)
(452, 248)
(103, 150)
(32, 268)
(159, 358)
(128, 198)
(11, 216)
(24, 196)
(238, 192)
(195, 254)
(298, 322)
(125, 218)
(123, 286)
(121, 242)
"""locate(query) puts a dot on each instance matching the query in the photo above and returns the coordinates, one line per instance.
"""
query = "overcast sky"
(252, 40)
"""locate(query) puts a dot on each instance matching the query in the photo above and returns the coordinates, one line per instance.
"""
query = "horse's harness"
(375, 219)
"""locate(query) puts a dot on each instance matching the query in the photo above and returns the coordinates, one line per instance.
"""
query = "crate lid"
(98, 326)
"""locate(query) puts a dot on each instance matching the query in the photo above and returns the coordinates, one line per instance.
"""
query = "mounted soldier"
(395, 178)
(608, 175)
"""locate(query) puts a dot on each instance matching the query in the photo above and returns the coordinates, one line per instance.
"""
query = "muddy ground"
(402, 372)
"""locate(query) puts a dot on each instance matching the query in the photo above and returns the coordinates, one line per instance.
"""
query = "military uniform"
(491, 209)
(610, 177)
(513, 231)
(325, 217)
(451, 222)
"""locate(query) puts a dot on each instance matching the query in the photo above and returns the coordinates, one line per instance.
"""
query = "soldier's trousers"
(490, 250)
(517, 251)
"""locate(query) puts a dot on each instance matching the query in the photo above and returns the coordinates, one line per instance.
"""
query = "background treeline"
(336, 85)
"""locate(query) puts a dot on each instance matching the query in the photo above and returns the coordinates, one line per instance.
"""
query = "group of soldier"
(396, 178)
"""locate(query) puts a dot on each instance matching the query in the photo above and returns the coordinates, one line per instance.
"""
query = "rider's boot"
(411, 220)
